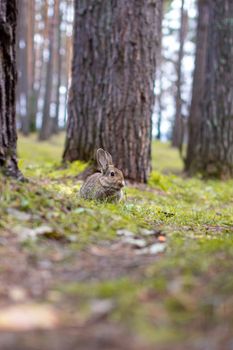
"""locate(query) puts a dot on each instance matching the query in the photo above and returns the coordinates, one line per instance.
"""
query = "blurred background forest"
(151, 82)
(44, 55)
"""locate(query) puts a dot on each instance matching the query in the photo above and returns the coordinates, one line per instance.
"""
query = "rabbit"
(104, 186)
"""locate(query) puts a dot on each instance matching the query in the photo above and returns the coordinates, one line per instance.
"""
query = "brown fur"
(104, 186)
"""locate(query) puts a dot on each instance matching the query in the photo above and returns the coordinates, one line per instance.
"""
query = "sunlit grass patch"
(181, 289)
(40, 159)
(31, 151)
(165, 158)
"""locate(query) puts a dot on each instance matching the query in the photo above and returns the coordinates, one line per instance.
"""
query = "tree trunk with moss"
(211, 151)
(8, 135)
(112, 92)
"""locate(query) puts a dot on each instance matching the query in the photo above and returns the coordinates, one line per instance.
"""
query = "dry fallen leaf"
(100, 251)
(146, 232)
(155, 248)
(135, 242)
(19, 215)
(125, 233)
(101, 308)
(162, 239)
(31, 233)
(25, 317)
(45, 231)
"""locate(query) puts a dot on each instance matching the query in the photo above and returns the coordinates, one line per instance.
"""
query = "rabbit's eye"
(112, 173)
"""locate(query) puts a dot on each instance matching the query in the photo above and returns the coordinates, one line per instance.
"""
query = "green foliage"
(165, 159)
(159, 180)
(182, 291)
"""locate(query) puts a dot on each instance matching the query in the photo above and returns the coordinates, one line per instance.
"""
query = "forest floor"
(152, 272)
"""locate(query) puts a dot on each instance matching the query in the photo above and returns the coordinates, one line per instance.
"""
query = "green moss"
(166, 159)
(180, 291)
(160, 181)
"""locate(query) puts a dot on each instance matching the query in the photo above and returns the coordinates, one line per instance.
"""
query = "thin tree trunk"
(213, 149)
(159, 74)
(159, 99)
(18, 59)
(112, 93)
(31, 96)
(8, 74)
(67, 67)
(46, 128)
(39, 60)
(177, 133)
(23, 67)
(194, 121)
(59, 68)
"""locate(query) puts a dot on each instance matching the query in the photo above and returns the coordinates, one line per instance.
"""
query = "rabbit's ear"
(109, 158)
(102, 159)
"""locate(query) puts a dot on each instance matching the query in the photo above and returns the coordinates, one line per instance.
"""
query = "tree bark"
(8, 76)
(46, 127)
(31, 94)
(59, 66)
(112, 91)
(22, 63)
(194, 121)
(159, 75)
(26, 96)
(159, 100)
(213, 149)
(40, 65)
(67, 60)
(177, 133)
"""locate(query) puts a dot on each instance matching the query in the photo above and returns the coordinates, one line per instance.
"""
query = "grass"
(185, 295)
(166, 159)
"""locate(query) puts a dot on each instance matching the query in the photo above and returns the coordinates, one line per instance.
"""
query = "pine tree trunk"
(40, 65)
(177, 133)
(22, 62)
(159, 75)
(59, 66)
(67, 62)
(159, 99)
(8, 135)
(46, 127)
(31, 95)
(213, 151)
(194, 122)
(112, 92)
